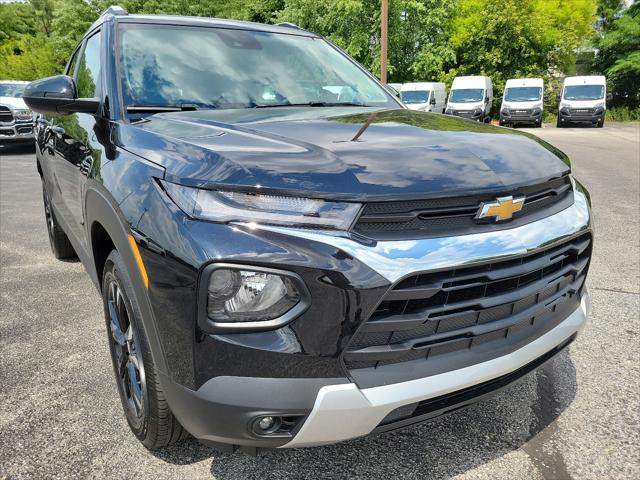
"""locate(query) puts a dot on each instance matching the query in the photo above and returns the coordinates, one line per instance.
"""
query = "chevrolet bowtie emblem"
(502, 209)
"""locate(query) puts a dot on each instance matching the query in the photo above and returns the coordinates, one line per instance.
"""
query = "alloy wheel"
(127, 355)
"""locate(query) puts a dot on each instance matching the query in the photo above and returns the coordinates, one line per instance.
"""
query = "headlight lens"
(223, 206)
(564, 105)
(249, 296)
(22, 114)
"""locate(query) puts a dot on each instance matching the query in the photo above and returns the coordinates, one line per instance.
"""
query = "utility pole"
(384, 39)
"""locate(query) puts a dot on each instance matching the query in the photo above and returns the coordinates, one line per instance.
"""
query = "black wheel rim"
(127, 357)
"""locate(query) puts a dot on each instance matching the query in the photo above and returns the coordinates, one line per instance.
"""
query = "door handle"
(85, 165)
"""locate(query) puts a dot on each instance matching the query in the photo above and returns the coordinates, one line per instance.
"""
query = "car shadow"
(521, 417)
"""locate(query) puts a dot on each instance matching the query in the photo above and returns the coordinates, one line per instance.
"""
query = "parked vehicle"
(287, 264)
(424, 96)
(583, 100)
(471, 97)
(16, 120)
(522, 102)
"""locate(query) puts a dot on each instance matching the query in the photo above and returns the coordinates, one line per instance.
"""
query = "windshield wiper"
(312, 104)
(185, 107)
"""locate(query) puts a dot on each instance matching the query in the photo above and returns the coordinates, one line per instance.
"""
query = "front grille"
(7, 132)
(6, 116)
(521, 113)
(439, 217)
(581, 111)
(472, 311)
(463, 113)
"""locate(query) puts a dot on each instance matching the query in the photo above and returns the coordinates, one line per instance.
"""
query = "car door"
(46, 138)
(73, 136)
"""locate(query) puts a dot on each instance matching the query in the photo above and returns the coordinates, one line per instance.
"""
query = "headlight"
(22, 114)
(224, 206)
(564, 105)
(240, 298)
(599, 105)
(249, 296)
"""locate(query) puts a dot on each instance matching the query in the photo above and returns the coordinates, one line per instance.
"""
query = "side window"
(88, 80)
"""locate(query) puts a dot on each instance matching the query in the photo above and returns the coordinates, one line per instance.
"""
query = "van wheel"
(60, 244)
(600, 123)
(143, 401)
(559, 124)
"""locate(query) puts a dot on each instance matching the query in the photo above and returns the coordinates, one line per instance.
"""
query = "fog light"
(249, 296)
(275, 425)
(265, 423)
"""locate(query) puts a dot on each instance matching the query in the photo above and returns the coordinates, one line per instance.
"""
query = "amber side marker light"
(136, 253)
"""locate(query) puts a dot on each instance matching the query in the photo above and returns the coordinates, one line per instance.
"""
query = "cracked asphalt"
(578, 417)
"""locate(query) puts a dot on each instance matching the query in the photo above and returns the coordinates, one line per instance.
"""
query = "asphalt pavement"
(578, 417)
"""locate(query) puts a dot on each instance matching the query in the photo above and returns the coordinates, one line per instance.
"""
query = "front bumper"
(515, 116)
(16, 131)
(245, 375)
(587, 115)
(342, 412)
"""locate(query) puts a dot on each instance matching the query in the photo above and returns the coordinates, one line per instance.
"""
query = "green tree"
(618, 56)
(518, 38)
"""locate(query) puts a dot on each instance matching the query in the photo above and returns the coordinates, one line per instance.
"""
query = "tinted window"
(415, 96)
(223, 68)
(523, 94)
(584, 92)
(466, 95)
(88, 80)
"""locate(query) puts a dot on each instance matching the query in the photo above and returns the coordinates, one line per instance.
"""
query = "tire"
(559, 124)
(600, 124)
(60, 244)
(143, 400)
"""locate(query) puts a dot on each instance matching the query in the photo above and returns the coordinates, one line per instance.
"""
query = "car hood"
(341, 153)
(14, 103)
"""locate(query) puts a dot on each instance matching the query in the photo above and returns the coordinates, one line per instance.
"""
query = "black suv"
(287, 255)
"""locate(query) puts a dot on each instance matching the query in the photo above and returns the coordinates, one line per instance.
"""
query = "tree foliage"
(618, 56)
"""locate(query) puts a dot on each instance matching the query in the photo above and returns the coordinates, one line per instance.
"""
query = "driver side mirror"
(432, 101)
(545, 99)
(609, 96)
(486, 99)
(57, 95)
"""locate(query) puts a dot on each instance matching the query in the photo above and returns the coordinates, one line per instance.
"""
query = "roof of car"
(123, 17)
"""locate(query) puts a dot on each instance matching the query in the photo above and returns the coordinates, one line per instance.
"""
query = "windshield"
(523, 94)
(415, 96)
(224, 68)
(12, 89)
(584, 92)
(466, 95)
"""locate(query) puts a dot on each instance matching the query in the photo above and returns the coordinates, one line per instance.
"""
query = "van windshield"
(14, 90)
(466, 95)
(415, 96)
(523, 94)
(196, 67)
(584, 92)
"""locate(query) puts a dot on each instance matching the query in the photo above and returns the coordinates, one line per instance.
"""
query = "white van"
(522, 102)
(471, 97)
(424, 96)
(583, 100)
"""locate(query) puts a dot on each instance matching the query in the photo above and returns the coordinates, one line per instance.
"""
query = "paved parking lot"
(578, 417)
